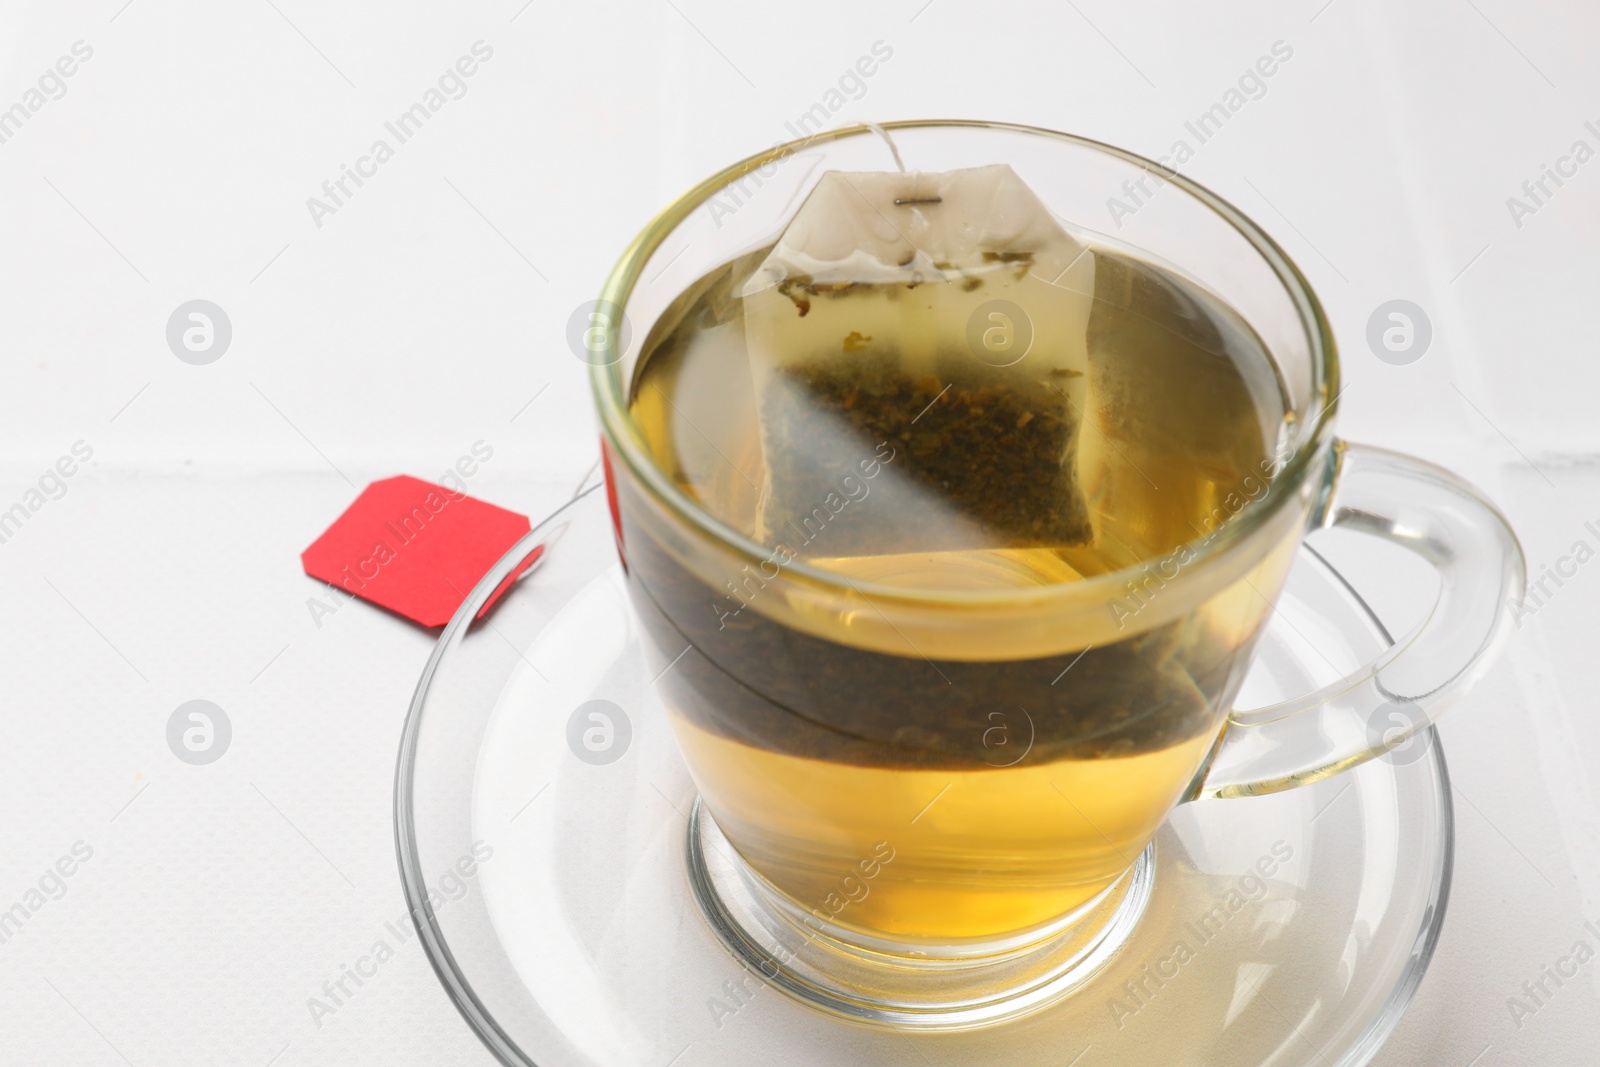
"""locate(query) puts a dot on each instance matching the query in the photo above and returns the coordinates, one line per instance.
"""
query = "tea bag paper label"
(416, 548)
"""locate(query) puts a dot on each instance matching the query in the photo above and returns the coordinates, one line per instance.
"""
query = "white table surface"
(425, 313)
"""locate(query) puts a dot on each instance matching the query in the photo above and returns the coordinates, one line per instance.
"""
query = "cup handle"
(1481, 568)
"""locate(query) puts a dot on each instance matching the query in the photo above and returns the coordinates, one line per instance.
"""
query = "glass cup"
(894, 823)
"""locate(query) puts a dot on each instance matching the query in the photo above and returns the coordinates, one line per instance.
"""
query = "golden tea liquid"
(1011, 775)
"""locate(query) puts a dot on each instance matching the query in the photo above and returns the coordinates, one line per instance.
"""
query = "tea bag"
(917, 347)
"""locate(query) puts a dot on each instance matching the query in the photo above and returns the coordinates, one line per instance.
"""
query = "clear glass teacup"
(927, 793)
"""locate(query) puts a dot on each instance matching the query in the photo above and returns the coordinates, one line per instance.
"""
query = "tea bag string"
(893, 148)
(916, 197)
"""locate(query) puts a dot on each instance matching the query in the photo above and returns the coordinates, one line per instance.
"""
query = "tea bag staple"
(936, 318)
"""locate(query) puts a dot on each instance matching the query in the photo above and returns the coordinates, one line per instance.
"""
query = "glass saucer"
(543, 822)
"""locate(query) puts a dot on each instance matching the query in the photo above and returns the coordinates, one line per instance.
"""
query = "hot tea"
(1012, 775)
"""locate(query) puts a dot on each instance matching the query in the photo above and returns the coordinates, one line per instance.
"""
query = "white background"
(431, 308)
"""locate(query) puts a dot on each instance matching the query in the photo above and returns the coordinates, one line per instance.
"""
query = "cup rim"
(621, 437)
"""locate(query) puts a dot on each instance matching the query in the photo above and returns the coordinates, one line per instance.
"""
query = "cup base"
(1290, 928)
(904, 986)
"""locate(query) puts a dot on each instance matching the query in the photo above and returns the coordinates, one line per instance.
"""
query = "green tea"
(1015, 775)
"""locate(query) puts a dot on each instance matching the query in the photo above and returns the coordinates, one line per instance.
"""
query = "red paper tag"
(417, 548)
